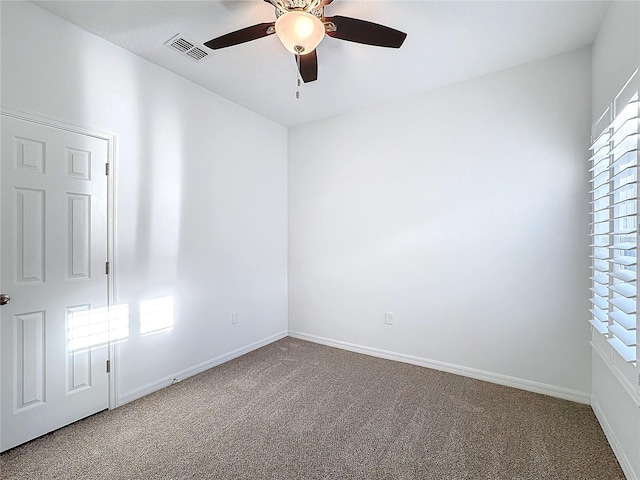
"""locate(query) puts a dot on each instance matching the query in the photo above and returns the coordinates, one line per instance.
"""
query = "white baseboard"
(189, 372)
(625, 464)
(551, 390)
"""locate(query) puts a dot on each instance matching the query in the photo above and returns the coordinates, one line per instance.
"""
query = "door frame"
(111, 139)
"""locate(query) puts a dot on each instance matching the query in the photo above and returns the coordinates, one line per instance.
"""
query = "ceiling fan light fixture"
(300, 32)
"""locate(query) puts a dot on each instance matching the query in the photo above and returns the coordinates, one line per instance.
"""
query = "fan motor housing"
(314, 7)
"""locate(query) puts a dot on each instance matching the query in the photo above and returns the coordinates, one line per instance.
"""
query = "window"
(614, 222)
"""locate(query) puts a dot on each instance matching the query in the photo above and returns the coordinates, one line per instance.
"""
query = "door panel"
(53, 233)
(30, 360)
(29, 245)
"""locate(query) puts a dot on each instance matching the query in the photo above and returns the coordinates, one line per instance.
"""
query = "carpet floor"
(298, 410)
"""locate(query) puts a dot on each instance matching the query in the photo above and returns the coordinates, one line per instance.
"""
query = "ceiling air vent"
(186, 47)
(197, 53)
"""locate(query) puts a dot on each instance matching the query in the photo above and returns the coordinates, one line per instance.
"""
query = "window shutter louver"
(614, 222)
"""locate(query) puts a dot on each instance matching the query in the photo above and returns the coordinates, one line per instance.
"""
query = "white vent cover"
(186, 47)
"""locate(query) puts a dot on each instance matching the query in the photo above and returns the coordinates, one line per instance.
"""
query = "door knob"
(4, 298)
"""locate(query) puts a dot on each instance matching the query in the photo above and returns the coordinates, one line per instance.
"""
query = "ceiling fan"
(301, 25)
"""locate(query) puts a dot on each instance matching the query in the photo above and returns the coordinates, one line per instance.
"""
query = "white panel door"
(53, 234)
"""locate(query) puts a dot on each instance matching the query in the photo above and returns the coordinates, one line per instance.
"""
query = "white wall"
(616, 401)
(464, 212)
(615, 53)
(201, 192)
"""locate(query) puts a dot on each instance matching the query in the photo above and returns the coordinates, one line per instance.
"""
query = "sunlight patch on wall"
(156, 315)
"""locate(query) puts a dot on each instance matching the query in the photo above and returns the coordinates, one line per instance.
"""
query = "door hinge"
(108, 366)
(107, 268)
(107, 168)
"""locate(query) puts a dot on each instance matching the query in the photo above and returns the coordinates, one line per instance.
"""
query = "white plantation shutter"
(614, 225)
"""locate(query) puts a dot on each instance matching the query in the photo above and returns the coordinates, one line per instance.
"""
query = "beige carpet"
(297, 410)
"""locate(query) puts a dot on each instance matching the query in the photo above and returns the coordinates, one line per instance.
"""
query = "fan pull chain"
(298, 77)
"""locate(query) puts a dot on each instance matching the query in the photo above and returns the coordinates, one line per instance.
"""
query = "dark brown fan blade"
(361, 31)
(241, 36)
(308, 66)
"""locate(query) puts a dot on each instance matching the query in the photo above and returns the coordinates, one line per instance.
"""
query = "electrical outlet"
(234, 317)
(388, 318)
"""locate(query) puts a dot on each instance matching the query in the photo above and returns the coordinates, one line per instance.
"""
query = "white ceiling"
(447, 42)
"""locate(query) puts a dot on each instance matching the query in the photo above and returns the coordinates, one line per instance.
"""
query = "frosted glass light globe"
(299, 32)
